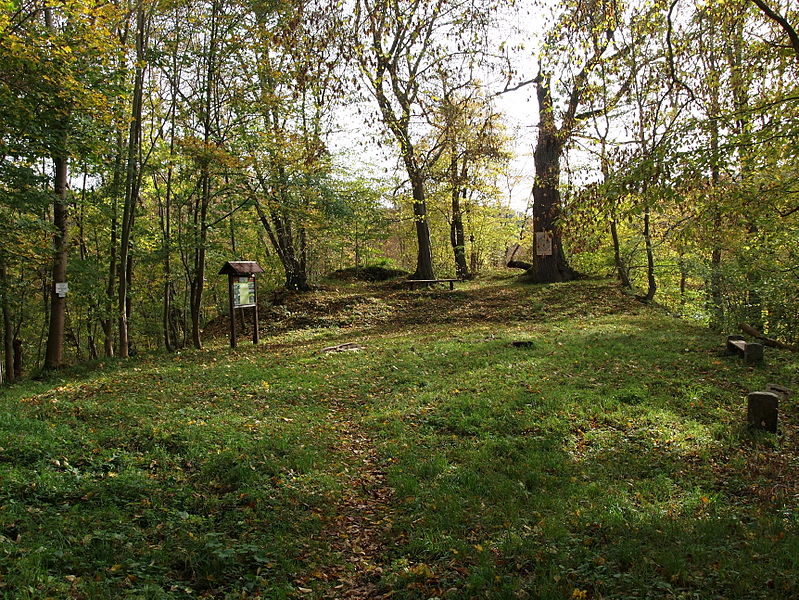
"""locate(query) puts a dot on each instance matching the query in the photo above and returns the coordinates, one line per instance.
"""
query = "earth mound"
(370, 274)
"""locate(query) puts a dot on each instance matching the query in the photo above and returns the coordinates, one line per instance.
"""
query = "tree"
(780, 19)
(57, 72)
(586, 29)
(469, 132)
(400, 46)
(290, 93)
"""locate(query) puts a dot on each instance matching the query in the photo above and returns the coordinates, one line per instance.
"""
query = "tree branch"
(782, 21)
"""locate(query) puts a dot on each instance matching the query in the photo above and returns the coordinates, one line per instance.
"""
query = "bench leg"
(452, 285)
(753, 355)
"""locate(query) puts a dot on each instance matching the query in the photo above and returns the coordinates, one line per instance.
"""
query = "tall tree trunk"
(167, 321)
(621, 268)
(424, 254)
(650, 258)
(107, 321)
(169, 342)
(457, 237)
(204, 201)
(8, 329)
(92, 309)
(58, 303)
(547, 267)
(198, 273)
(740, 82)
(131, 187)
(716, 300)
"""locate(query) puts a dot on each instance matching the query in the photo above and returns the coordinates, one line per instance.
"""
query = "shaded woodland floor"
(605, 459)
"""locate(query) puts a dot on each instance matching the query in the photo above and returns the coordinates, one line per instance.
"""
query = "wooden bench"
(752, 352)
(428, 282)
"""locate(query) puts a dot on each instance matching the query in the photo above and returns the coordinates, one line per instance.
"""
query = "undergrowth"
(605, 459)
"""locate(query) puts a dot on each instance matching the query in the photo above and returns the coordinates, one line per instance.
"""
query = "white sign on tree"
(543, 243)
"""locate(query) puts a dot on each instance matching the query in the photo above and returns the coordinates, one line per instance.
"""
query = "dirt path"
(358, 533)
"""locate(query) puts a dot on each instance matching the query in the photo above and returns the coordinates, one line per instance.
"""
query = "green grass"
(607, 460)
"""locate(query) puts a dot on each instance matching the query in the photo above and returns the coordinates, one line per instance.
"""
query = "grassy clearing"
(607, 460)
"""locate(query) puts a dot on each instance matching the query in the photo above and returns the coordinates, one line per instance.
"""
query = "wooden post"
(255, 316)
(232, 311)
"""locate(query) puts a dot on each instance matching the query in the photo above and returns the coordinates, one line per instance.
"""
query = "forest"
(143, 144)
(609, 188)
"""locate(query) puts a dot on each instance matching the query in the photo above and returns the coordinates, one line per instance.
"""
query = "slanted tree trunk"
(782, 21)
(291, 248)
(393, 60)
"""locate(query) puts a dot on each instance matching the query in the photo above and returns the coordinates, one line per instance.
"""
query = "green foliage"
(608, 458)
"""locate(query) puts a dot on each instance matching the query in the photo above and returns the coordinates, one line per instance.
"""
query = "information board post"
(232, 305)
(255, 316)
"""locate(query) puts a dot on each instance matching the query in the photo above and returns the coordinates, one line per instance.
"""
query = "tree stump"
(762, 410)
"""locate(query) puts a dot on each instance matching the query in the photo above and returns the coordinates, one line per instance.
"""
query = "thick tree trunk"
(58, 304)
(552, 267)
(424, 255)
(548, 267)
(17, 346)
(292, 253)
